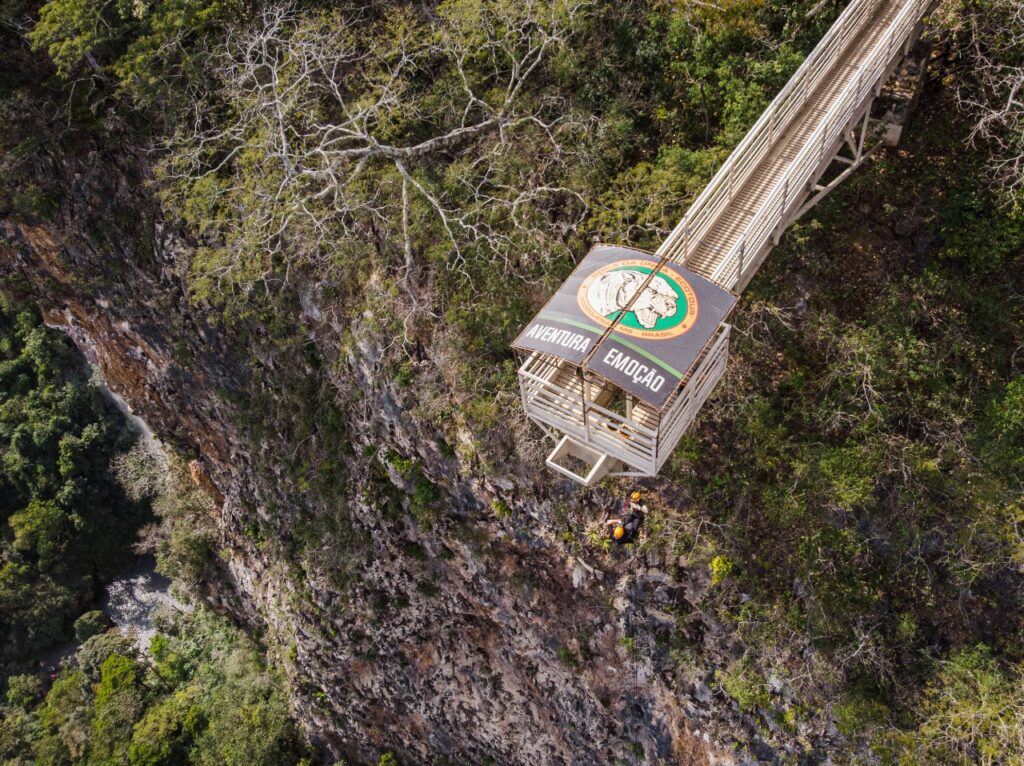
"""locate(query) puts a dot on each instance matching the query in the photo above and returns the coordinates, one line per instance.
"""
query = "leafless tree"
(330, 134)
(995, 94)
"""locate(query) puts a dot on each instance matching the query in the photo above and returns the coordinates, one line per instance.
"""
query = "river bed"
(132, 599)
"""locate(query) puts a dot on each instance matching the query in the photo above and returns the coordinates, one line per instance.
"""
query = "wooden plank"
(763, 180)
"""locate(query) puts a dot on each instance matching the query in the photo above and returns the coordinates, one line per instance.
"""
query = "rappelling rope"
(635, 651)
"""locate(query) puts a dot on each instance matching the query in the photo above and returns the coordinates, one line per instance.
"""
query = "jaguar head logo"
(614, 290)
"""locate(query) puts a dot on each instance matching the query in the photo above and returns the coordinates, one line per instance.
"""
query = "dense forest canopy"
(201, 693)
(419, 176)
(67, 524)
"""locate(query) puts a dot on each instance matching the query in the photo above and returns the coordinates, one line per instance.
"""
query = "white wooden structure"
(820, 119)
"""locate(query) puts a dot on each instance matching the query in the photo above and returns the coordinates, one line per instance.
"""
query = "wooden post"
(864, 129)
(522, 384)
(587, 396)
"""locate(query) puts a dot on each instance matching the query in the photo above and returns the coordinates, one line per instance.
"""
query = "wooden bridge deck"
(767, 175)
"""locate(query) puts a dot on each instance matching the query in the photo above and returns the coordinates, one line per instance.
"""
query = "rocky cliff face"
(471, 635)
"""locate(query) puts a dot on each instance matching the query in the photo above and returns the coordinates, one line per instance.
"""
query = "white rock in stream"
(132, 599)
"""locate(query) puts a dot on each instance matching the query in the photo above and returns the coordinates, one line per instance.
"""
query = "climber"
(627, 529)
(635, 503)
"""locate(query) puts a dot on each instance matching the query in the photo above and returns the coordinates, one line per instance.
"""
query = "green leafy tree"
(91, 624)
(23, 691)
(165, 734)
(208, 697)
(118, 704)
(148, 48)
(65, 720)
(68, 524)
(39, 532)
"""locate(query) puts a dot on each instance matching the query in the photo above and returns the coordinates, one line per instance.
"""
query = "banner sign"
(629, 320)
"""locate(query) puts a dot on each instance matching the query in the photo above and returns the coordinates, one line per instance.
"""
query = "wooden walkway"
(729, 228)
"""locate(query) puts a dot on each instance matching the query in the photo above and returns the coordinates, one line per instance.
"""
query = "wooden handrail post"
(586, 397)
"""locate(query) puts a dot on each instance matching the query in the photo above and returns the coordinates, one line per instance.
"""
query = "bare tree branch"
(319, 131)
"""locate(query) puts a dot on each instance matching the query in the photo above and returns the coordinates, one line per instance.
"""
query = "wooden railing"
(818, 147)
(683, 409)
(761, 138)
(548, 401)
(622, 437)
(551, 402)
(774, 122)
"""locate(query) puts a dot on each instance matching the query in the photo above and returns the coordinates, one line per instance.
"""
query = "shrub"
(568, 658)
(742, 683)
(856, 714)
(91, 624)
(96, 650)
(23, 691)
(972, 711)
(721, 567)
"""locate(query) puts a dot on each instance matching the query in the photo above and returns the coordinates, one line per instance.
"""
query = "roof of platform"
(632, 318)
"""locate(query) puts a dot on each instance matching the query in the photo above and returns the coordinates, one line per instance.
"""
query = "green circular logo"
(666, 307)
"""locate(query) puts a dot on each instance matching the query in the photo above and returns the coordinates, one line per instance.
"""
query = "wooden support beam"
(824, 190)
(864, 129)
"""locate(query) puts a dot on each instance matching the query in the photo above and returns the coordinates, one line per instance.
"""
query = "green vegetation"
(202, 695)
(863, 467)
(721, 567)
(740, 681)
(447, 175)
(132, 39)
(972, 711)
(428, 174)
(75, 498)
(91, 624)
(182, 537)
(66, 525)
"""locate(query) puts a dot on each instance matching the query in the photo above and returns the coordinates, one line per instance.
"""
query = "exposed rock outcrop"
(465, 637)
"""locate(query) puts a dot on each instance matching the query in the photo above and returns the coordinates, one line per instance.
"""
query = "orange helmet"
(635, 496)
(619, 532)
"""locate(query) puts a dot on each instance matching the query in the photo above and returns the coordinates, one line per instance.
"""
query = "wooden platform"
(770, 178)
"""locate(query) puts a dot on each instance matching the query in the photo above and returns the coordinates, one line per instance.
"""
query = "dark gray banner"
(634, 322)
